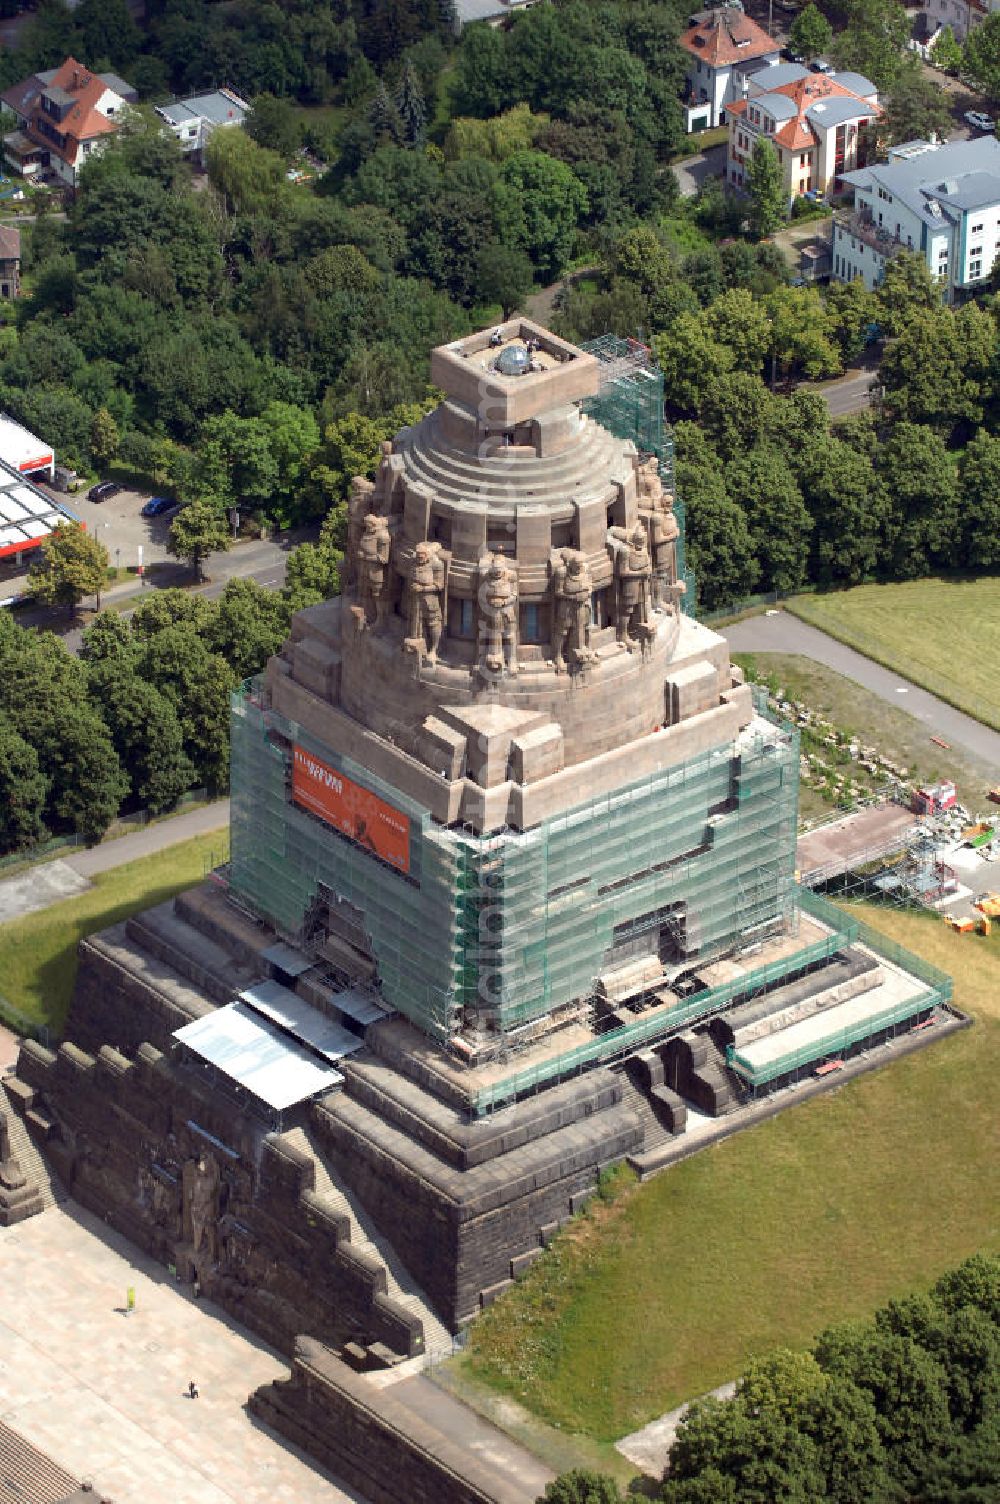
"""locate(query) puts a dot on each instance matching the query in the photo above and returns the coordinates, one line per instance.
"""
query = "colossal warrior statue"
(633, 572)
(427, 580)
(372, 561)
(572, 586)
(656, 509)
(359, 503)
(497, 599)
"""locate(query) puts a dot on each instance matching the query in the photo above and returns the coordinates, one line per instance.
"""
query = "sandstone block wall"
(182, 1174)
(367, 1438)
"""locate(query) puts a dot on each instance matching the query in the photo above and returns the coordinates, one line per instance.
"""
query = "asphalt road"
(784, 633)
(264, 562)
(848, 394)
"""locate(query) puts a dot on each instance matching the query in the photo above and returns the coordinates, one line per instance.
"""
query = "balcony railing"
(864, 228)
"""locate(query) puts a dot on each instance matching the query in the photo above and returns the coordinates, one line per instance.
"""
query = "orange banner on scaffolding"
(349, 808)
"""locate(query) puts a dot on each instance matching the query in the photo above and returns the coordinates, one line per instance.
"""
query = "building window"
(976, 229)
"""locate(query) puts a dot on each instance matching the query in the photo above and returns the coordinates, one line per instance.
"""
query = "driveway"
(693, 171)
(784, 633)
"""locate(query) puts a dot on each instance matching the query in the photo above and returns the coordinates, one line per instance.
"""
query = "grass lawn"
(38, 952)
(815, 1216)
(900, 737)
(942, 634)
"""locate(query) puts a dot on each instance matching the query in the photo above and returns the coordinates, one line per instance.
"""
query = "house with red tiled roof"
(63, 115)
(815, 121)
(725, 48)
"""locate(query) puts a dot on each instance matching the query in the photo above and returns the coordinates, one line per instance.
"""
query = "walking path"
(649, 1448)
(784, 633)
(151, 838)
(48, 883)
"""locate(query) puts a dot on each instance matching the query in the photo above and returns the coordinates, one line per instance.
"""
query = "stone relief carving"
(497, 623)
(572, 586)
(201, 1204)
(633, 569)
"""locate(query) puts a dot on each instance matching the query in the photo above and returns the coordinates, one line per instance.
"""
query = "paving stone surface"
(103, 1393)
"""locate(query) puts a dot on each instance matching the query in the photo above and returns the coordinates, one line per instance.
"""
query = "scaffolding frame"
(629, 404)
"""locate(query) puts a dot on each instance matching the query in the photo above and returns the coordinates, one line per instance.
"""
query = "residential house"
(10, 261)
(724, 47)
(815, 122)
(193, 120)
(63, 115)
(963, 16)
(942, 201)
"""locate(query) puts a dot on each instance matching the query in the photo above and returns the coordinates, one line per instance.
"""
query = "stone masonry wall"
(367, 1438)
(181, 1173)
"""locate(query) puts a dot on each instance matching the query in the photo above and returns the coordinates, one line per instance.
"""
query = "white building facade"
(942, 201)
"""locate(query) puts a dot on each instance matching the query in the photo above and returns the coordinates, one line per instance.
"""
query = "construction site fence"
(618, 1043)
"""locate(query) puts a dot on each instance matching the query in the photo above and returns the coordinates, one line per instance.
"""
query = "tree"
(802, 333)
(947, 54)
(198, 683)
(779, 523)
(104, 438)
(503, 275)
(874, 41)
(850, 512)
(768, 195)
(313, 570)
(70, 564)
(979, 497)
(410, 107)
(920, 481)
(907, 286)
(23, 792)
(917, 109)
(248, 178)
(248, 625)
(853, 310)
(581, 1487)
(545, 201)
(145, 731)
(200, 528)
(811, 33)
(937, 371)
(496, 139)
(691, 362)
(982, 57)
(738, 320)
(274, 124)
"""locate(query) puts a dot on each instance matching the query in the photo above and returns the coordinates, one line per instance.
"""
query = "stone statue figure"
(633, 574)
(359, 503)
(571, 610)
(497, 600)
(427, 580)
(372, 559)
(656, 510)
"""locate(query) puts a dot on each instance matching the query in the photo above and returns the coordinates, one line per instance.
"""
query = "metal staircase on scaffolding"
(366, 1237)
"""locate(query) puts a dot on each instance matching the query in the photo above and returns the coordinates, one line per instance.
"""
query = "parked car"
(791, 56)
(160, 506)
(978, 120)
(103, 491)
(820, 65)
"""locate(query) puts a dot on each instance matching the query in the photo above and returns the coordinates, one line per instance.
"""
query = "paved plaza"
(104, 1394)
